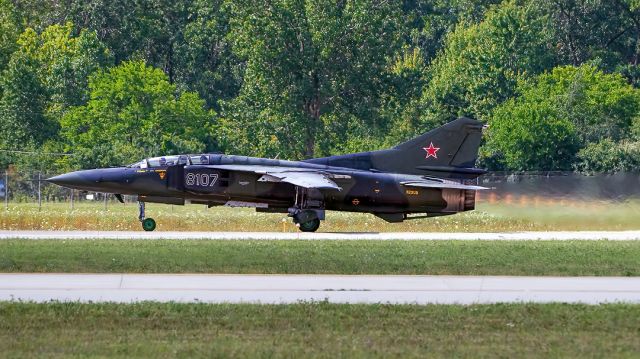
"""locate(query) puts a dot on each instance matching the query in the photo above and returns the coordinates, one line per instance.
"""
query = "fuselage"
(190, 179)
(426, 174)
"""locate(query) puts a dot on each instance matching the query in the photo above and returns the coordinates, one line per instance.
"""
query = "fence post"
(71, 198)
(105, 201)
(6, 190)
(39, 191)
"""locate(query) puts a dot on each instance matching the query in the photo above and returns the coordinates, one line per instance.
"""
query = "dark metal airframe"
(428, 175)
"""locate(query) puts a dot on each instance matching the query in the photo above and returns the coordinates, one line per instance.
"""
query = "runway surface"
(333, 288)
(614, 236)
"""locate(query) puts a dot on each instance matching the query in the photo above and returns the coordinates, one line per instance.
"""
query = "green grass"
(562, 258)
(318, 330)
(487, 218)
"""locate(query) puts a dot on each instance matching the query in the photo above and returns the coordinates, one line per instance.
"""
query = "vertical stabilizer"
(450, 148)
(447, 151)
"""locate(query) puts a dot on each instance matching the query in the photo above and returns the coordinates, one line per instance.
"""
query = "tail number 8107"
(201, 179)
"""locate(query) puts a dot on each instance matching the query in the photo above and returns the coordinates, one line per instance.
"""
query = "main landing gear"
(307, 220)
(307, 212)
(310, 226)
(148, 224)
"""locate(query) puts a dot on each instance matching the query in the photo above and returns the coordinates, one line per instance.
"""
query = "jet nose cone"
(98, 180)
(72, 180)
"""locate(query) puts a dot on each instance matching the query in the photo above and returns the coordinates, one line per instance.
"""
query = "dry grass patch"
(487, 218)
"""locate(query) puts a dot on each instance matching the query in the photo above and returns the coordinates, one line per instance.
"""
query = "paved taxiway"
(581, 235)
(333, 288)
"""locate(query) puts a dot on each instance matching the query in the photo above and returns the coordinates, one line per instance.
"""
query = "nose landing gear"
(148, 224)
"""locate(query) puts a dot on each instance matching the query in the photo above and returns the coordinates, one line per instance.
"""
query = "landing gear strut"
(148, 224)
(306, 212)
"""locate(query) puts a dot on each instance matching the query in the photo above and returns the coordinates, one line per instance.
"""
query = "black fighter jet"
(427, 176)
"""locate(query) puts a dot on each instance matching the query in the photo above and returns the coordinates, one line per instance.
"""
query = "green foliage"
(595, 29)
(609, 156)
(134, 112)
(24, 98)
(635, 129)
(144, 29)
(44, 77)
(558, 113)
(429, 22)
(452, 257)
(66, 62)
(401, 108)
(186, 39)
(10, 29)
(297, 79)
(318, 330)
(310, 66)
(481, 63)
(530, 136)
(204, 60)
(599, 105)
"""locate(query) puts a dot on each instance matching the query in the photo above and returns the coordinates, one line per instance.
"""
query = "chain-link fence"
(549, 187)
(32, 187)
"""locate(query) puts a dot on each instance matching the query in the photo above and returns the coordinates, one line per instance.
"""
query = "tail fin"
(447, 151)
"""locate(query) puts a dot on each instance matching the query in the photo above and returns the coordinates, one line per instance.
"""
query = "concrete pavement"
(397, 289)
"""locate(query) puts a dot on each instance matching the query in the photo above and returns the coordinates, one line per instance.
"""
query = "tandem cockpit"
(166, 161)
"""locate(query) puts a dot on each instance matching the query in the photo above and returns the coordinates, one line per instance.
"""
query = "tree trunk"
(312, 109)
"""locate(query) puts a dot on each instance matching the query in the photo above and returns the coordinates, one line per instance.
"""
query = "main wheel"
(148, 224)
(310, 226)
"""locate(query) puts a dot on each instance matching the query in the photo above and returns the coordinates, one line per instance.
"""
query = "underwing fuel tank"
(161, 199)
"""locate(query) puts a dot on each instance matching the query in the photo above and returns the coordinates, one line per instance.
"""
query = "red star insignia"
(431, 151)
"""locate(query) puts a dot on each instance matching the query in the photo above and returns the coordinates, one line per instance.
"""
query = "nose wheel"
(148, 224)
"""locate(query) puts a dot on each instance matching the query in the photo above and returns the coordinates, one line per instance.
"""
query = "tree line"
(111, 82)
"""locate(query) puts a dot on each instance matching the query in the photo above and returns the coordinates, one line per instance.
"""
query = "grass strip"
(501, 217)
(558, 258)
(318, 330)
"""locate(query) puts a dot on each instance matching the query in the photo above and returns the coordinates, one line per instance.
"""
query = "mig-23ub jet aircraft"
(424, 177)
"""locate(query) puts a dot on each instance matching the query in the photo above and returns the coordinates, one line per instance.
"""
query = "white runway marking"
(127, 288)
(614, 236)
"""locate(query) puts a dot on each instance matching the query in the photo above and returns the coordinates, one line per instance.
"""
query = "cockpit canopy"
(165, 161)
